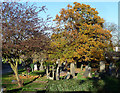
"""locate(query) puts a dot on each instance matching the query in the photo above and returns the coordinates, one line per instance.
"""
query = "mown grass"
(78, 84)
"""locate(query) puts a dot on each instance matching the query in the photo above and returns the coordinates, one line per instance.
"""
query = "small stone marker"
(102, 66)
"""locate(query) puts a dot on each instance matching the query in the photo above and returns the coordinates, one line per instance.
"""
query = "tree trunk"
(18, 79)
(15, 69)
(57, 73)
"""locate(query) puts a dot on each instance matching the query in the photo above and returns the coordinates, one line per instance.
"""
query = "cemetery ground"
(38, 82)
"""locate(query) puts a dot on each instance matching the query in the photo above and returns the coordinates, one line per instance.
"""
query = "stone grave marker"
(102, 66)
(113, 70)
(89, 72)
(72, 69)
(110, 69)
(86, 73)
(35, 67)
(41, 65)
(118, 73)
(81, 67)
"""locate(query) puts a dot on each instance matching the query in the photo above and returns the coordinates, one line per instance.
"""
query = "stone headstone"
(53, 72)
(113, 70)
(89, 72)
(81, 67)
(72, 69)
(102, 66)
(47, 72)
(35, 67)
(86, 73)
(57, 73)
(41, 66)
(118, 73)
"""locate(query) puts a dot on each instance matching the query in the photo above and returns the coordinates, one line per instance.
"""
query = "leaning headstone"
(68, 75)
(102, 66)
(35, 67)
(81, 67)
(72, 69)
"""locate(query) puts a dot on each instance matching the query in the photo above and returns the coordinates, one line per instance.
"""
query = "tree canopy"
(79, 34)
(22, 32)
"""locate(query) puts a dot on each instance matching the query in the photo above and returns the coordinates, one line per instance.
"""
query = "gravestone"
(47, 73)
(89, 72)
(110, 69)
(81, 67)
(53, 72)
(35, 67)
(58, 69)
(72, 69)
(102, 66)
(68, 75)
(86, 73)
(113, 70)
(118, 73)
(41, 65)
(32, 67)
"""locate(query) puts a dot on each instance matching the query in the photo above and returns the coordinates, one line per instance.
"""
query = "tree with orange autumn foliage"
(79, 34)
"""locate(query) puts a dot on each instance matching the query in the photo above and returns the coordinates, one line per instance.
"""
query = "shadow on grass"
(14, 91)
(107, 84)
(39, 73)
(30, 81)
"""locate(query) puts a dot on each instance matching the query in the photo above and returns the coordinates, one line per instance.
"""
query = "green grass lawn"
(35, 83)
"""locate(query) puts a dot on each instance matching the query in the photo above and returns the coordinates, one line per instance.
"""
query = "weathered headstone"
(118, 73)
(47, 73)
(57, 73)
(32, 67)
(35, 67)
(41, 65)
(89, 72)
(57, 70)
(53, 72)
(72, 69)
(81, 67)
(102, 66)
(110, 69)
(113, 70)
(86, 72)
